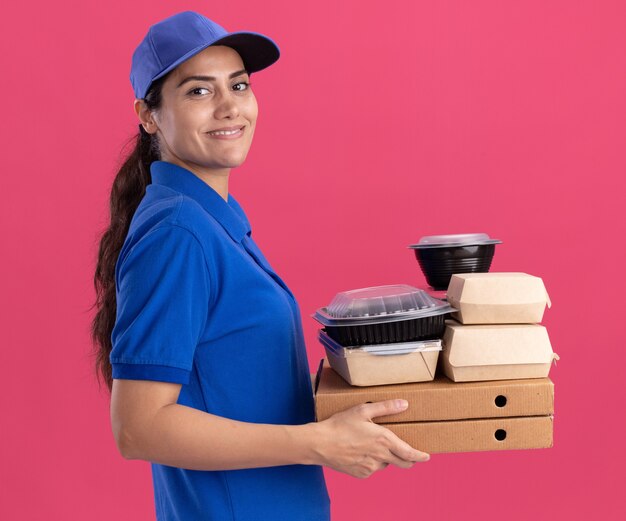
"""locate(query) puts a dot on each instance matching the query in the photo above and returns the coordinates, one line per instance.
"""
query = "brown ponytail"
(129, 187)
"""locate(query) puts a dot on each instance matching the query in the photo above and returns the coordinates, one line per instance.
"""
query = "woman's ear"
(145, 116)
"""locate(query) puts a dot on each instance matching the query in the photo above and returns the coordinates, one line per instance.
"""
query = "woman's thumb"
(383, 408)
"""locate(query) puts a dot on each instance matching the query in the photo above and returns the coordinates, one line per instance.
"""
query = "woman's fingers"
(407, 453)
(399, 448)
(398, 462)
(351, 442)
(402, 450)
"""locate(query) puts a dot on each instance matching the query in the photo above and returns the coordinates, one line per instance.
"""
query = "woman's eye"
(247, 85)
(197, 90)
(193, 91)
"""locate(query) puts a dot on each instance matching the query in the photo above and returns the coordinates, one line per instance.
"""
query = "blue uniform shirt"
(198, 304)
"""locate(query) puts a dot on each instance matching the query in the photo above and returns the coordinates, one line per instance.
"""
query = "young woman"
(198, 339)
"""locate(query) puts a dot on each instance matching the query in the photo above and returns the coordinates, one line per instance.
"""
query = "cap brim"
(256, 50)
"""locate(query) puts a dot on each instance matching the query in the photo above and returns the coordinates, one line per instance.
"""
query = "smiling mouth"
(225, 132)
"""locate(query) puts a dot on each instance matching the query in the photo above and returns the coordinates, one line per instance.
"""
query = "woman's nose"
(226, 106)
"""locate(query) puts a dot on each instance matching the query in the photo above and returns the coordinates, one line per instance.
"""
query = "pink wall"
(376, 127)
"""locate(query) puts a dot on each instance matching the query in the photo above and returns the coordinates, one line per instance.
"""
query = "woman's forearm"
(189, 438)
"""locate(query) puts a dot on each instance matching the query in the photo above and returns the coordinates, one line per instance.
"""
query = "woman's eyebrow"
(210, 78)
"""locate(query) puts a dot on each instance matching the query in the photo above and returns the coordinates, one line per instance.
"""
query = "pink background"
(376, 126)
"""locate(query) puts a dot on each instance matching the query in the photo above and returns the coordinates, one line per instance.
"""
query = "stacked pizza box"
(490, 390)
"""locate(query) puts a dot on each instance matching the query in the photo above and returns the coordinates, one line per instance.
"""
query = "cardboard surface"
(365, 369)
(440, 399)
(497, 298)
(496, 352)
(530, 432)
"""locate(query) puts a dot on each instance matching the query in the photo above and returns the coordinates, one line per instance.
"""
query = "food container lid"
(397, 348)
(459, 239)
(380, 304)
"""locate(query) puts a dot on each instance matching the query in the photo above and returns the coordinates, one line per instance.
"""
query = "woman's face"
(206, 93)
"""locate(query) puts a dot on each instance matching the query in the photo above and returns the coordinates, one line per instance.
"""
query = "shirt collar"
(229, 214)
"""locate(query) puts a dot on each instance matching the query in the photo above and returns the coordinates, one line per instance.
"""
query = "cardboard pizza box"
(444, 416)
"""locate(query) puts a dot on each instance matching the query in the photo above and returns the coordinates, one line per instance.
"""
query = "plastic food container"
(440, 256)
(383, 315)
(383, 364)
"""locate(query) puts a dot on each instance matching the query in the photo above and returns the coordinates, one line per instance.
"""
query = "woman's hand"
(350, 442)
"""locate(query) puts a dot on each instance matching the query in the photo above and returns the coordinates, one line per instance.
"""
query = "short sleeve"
(162, 290)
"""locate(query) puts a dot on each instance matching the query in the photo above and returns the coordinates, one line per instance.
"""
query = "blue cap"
(181, 36)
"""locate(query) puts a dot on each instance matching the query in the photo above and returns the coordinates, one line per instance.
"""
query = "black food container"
(383, 315)
(441, 256)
